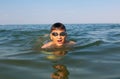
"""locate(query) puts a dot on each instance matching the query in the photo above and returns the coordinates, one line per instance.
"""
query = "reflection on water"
(61, 72)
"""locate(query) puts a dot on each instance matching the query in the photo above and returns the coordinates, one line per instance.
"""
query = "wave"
(95, 43)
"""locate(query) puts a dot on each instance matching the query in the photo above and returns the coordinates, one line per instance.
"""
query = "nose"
(59, 37)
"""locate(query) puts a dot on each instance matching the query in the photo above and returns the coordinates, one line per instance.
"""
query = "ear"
(50, 37)
(66, 37)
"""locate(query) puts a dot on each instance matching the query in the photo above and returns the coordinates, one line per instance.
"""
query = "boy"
(58, 37)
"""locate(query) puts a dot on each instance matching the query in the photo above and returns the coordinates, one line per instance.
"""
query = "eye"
(62, 33)
(55, 34)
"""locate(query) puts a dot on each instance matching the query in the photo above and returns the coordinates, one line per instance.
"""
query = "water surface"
(95, 56)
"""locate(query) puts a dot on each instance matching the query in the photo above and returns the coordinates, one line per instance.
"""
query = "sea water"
(96, 54)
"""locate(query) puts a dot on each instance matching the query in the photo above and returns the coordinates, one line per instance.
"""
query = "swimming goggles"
(56, 34)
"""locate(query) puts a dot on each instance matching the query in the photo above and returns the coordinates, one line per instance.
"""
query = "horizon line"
(51, 23)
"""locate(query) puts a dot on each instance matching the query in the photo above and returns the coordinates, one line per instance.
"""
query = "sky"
(65, 11)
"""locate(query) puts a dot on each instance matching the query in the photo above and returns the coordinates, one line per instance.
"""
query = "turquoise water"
(95, 56)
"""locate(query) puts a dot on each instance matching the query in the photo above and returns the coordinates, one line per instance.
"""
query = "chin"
(59, 45)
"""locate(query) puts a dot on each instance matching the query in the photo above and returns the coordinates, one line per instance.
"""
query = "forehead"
(58, 30)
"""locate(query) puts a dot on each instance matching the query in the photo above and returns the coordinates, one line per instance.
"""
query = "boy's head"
(58, 34)
(59, 26)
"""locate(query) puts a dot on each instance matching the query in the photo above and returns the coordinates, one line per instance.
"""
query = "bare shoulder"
(47, 45)
(71, 43)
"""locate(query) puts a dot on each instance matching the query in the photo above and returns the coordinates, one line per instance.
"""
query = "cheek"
(64, 38)
(54, 38)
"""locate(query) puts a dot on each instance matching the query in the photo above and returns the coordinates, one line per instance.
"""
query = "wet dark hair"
(58, 26)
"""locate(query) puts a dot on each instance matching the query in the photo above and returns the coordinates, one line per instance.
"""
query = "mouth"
(60, 41)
